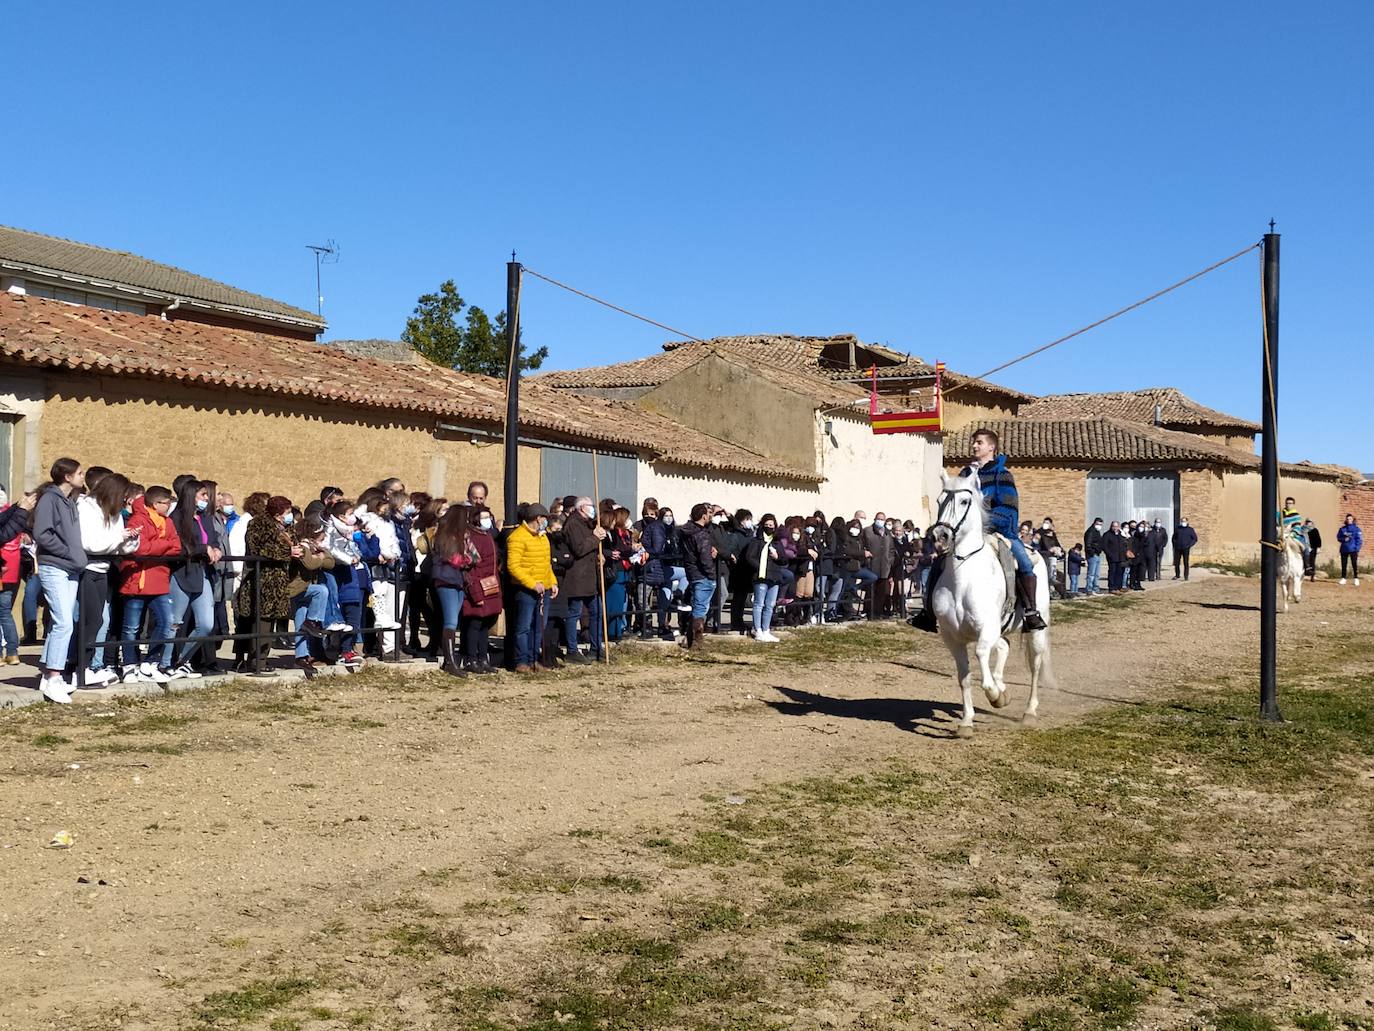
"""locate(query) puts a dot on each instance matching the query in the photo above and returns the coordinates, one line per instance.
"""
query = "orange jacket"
(159, 539)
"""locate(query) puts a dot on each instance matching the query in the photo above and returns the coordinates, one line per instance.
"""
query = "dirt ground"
(379, 851)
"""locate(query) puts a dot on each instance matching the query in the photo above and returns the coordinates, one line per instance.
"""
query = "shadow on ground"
(912, 715)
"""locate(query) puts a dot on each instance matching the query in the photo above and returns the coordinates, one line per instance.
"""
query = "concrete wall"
(971, 406)
(152, 431)
(1239, 532)
(727, 401)
(876, 472)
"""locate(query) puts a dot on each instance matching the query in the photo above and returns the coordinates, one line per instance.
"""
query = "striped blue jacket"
(999, 490)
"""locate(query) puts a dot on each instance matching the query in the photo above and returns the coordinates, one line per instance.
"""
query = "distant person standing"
(1314, 545)
(1185, 537)
(1092, 547)
(1160, 539)
(1350, 539)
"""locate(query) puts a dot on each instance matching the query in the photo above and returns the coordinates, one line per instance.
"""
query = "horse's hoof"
(1001, 699)
(964, 733)
(1030, 719)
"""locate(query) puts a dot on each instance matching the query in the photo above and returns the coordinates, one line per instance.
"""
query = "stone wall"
(1360, 501)
(151, 431)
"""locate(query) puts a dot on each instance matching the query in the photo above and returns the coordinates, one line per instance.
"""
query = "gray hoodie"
(57, 532)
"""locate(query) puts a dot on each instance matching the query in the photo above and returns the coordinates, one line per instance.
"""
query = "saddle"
(1002, 549)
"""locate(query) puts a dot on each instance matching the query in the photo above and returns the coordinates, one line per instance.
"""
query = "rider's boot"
(925, 619)
(1025, 587)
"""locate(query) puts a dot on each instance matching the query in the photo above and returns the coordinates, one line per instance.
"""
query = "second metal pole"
(1269, 492)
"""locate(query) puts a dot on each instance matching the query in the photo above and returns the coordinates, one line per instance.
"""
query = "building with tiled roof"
(255, 410)
(1166, 407)
(1076, 469)
(80, 273)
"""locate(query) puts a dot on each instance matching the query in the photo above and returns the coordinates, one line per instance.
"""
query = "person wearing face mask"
(699, 560)
(1114, 546)
(529, 562)
(764, 557)
(583, 536)
(740, 574)
(1051, 551)
(482, 597)
(1185, 538)
(1092, 548)
(269, 539)
(11, 561)
(191, 588)
(349, 576)
(656, 537)
(1314, 545)
(1160, 540)
(879, 547)
(616, 550)
(724, 543)
(1140, 561)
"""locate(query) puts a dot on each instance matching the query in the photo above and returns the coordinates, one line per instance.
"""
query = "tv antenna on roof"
(325, 254)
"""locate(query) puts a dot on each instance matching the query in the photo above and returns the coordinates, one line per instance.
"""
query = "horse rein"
(954, 530)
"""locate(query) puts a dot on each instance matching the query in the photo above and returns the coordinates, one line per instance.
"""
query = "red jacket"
(159, 538)
(10, 558)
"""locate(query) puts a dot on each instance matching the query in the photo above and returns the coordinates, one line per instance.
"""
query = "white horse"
(969, 598)
(1290, 571)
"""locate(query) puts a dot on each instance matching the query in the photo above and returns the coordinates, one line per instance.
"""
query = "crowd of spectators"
(134, 578)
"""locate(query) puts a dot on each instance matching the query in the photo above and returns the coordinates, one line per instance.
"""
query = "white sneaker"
(133, 675)
(152, 674)
(184, 672)
(54, 689)
(769, 638)
(98, 678)
(1342, 581)
(1357, 581)
(342, 628)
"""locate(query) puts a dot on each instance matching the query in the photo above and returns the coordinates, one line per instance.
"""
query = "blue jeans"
(202, 608)
(593, 604)
(160, 605)
(59, 588)
(8, 630)
(333, 611)
(1073, 583)
(309, 604)
(1023, 560)
(832, 595)
(677, 580)
(1094, 572)
(702, 593)
(615, 603)
(529, 634)
(450, 604)
(765, 597)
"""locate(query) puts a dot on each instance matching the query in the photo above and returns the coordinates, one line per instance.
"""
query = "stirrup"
(1031, 620)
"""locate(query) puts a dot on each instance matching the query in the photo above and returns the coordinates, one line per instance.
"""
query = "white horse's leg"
(1036, 648)
(983, 649)
(961, 674)
(1000, 650)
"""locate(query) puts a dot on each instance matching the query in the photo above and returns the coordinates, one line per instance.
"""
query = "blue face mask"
(126, 512)
(288, 519)
(201, 506)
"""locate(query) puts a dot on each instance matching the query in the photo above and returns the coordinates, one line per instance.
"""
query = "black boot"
(1030, 619)
(925, 619)
(451, 665)
(30, 634)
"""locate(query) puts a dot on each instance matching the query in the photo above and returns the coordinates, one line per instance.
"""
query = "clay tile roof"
(50, 334)
(801, 355)
(25, 251)
(1111, 441)
(1177, 409)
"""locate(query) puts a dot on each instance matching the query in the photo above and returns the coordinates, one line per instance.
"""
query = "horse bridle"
(954, 530)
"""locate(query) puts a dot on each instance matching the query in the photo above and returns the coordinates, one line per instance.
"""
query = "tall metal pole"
(1269, 493)
(510, 493)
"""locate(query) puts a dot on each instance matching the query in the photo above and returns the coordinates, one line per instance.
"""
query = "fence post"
(81, 640)
(397, 612)
(256, 621)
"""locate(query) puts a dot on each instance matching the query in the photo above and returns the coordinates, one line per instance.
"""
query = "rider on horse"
(999, 490)
(1291, 525)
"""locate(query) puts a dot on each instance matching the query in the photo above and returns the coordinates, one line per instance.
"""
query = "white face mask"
(1183, 522)
(1044, 526)
(853, 531)
(485, 522)
(717, 520)
(748, 524)
(810, 530)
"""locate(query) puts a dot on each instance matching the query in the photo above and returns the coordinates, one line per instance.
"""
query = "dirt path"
(214, 830)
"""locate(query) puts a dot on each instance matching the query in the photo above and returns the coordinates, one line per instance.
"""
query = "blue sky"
(963, 182)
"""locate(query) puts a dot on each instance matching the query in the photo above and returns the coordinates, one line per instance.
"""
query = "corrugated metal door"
(1120, 497)
(564, 471)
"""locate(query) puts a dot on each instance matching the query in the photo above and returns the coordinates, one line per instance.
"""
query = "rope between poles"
(1116, 314)
(608, 304)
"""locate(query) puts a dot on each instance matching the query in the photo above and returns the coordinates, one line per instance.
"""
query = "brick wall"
(1359, 500)
(152, 431)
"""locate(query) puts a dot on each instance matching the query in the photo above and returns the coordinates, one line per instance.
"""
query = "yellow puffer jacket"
(527, 558)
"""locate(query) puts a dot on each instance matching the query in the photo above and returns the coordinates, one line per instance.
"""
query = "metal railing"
(87, 623)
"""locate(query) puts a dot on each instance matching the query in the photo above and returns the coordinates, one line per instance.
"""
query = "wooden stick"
(601, 565)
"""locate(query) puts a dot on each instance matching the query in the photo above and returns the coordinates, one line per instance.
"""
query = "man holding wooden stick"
(584, 536)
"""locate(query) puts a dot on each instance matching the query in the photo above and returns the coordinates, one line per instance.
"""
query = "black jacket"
(1049, 541)
(1159, 540)
(849, 556)
(13, 521)
(1184, 538)
(1092, 541)
(1114, 546)
(753, 556)
(696, 553)
(1314, 538)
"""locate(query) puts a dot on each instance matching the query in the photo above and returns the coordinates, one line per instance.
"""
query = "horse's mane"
(984, 507)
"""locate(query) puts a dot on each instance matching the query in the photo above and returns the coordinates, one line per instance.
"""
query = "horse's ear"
(944, 478)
